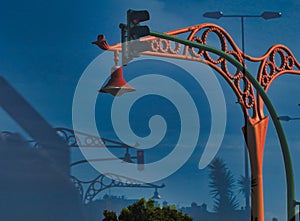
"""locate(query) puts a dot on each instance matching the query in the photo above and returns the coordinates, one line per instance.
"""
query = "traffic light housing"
(140, 159)
(134, 29)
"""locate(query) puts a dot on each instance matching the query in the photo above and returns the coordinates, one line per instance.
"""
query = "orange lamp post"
(250, 91)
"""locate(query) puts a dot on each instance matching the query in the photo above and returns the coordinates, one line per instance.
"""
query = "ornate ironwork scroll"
(106, 181)
(76, 139)
(277, 61)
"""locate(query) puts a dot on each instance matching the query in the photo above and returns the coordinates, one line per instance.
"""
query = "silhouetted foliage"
(143, 210)
(244, 184)
(222, 187)
(110, 216)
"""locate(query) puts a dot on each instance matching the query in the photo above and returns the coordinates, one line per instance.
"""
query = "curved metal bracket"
(278, 60)
(77, 138)
(269, 69)
(106, 181)
(240, 80)
(82, 139)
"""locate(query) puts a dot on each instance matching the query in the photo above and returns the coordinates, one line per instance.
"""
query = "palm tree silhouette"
(244, 184)
(222, 188)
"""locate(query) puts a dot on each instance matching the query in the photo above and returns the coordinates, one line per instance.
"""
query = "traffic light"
(140, 159)
(127, 157)
(134, 29)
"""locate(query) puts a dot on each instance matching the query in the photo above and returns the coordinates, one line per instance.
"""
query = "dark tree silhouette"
(244, 184)
(222, 188)
(143, 210)
(109, 216)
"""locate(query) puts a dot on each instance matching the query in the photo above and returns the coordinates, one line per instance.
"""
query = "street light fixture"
(252, 104)
(116, 85)
(156, 195)
(270, 15)
(264, 15)
(288, 118)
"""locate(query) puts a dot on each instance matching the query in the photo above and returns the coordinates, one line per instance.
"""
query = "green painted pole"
(280, 132)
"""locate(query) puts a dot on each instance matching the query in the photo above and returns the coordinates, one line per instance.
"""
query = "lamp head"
(116, 86)
(156, 195)
(215, 15)
(284, 118)
(127, 157)
(270, 15)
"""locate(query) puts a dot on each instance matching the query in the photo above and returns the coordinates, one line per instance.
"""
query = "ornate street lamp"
(264, 15)
(242, 83)
(257, 202)
(116, 85)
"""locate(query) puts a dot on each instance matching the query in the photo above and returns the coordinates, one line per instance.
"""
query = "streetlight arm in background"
(265, 15)
(288, 118)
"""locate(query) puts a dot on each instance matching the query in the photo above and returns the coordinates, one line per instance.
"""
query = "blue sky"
(46, 46)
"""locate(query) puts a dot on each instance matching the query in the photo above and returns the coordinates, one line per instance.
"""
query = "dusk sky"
(45, 47)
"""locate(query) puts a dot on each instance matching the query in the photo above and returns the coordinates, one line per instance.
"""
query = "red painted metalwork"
(236, 79)
(101, 42)
(271, 68)
(116, 85)
(251, 103)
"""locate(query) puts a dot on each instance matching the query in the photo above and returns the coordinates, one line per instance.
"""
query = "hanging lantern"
(116, 85)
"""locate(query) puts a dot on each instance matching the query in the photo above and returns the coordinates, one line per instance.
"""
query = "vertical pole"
(246, 162)
(124, 42)
(255, 135)
(243, 38)
(247, 197)
(298, 212)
